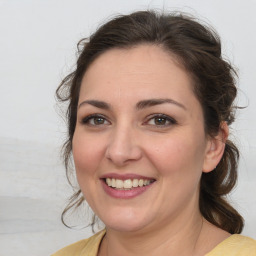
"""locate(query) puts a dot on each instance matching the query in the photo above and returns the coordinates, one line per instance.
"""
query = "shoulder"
(235, 245)
(84, 247)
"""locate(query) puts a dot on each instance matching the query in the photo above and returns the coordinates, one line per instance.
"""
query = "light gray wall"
(37, 48)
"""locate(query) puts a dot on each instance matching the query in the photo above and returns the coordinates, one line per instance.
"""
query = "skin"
(165, 219)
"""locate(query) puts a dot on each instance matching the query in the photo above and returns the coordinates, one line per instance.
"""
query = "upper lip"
(125, 176)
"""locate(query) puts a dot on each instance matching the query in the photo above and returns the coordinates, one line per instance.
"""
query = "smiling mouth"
(127, 184)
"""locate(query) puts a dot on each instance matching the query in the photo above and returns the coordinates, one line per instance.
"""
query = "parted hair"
(197, 48)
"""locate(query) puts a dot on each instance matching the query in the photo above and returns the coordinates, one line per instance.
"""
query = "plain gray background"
(37, 49)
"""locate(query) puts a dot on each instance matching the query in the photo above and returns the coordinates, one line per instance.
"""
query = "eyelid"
(170, 119)
(85, 120)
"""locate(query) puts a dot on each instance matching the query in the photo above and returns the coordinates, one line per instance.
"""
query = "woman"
(150, 103)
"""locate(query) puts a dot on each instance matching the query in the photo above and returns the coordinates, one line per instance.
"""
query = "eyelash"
(170, 120)
(87, 119)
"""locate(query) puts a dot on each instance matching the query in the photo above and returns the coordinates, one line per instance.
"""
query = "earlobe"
(215, 148)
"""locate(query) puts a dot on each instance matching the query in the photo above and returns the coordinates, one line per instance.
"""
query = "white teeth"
(113, 183)
(108, 180)
(127, 184)
(119, 184)
(141, 183)
(135, 183)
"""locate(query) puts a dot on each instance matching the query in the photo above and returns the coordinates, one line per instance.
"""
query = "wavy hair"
(197, 48)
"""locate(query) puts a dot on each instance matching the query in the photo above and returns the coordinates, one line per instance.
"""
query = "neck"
(179, 236)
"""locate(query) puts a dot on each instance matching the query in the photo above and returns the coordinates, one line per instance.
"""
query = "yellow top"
(235, 245)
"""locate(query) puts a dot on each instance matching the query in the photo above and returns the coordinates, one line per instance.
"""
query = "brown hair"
(198, 49)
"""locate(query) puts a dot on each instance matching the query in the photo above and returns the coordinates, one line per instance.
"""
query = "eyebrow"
(95, 103)
(153, 102)
(140, 105)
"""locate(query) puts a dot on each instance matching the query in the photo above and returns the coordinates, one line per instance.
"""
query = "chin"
(124, 227)
(122, 223)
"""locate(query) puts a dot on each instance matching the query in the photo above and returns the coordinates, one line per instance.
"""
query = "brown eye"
(95, 120)
(160, 120)
(98, 120)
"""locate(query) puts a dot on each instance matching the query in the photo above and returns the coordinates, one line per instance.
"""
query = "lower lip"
(125, 194)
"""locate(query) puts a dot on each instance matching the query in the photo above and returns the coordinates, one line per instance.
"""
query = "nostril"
(123, 148)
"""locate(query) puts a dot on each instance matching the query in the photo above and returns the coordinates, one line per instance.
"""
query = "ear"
(215, 148)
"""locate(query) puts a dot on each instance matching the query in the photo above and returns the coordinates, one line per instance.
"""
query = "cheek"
(177, 156)
(87, 153)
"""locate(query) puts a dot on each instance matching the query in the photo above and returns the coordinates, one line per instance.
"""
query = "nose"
(123, 146)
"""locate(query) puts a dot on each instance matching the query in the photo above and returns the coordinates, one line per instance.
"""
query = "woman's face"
(139, 145)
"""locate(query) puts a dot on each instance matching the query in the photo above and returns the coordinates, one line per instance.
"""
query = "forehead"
(141, 71)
